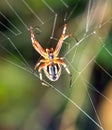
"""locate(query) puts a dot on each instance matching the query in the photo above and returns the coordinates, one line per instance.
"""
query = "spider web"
(90, 41)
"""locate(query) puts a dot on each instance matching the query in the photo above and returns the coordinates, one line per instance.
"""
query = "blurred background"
(27, 105)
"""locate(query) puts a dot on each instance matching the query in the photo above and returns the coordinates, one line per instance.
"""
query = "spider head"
(50, 53)
(51, 50)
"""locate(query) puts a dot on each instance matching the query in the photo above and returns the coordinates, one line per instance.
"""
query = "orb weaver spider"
(51, 64)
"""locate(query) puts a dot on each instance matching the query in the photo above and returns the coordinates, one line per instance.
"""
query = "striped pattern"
(53, 71)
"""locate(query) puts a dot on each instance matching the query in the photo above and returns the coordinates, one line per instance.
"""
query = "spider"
(51, 64)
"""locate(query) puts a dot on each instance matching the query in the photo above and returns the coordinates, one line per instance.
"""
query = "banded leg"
(60, 42)
(40, 74)
(39, 70)
(38, 63)
(66, 68)
(36, 44)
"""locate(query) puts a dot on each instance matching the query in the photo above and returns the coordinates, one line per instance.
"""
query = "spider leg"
(39, 70)
(40, 74)
(36, 44)
(38, 63)
(61, 39)
(66, 68)
(42, 82)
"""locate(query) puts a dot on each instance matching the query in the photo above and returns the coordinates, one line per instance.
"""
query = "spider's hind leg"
(66, 68)
(42, 81)
(39, 70)
(40, 75)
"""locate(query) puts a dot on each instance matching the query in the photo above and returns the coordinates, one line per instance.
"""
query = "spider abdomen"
(53, 71)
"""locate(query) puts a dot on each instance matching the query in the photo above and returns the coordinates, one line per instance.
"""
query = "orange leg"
(66, 68)
(39, 70)
(41, 61)
(36, 44)
(60, 42)
(40, 74)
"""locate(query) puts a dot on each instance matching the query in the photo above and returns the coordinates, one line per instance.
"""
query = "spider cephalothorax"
(51, 63)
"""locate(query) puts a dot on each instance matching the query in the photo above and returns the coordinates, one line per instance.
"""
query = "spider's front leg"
(61, 40)
(36, 44)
